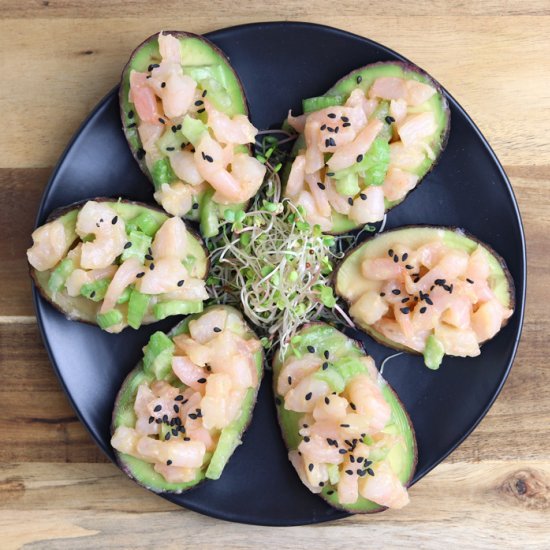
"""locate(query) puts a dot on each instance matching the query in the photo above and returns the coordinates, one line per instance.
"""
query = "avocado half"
(230, 437)
(348, 272)
(211, 69)
(402, 460)
(363, 78)
(79, 308)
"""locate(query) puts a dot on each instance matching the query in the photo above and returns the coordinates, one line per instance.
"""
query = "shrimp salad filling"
(118, 264)
(365, 145)
(181, 413)
(429, 290)
(186, 119)
(349, 437)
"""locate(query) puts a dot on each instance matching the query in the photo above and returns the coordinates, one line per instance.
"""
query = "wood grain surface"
(57, 59)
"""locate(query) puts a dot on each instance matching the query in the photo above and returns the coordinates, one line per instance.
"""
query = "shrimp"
(125, 275)
(316, 449)
(417, 127)
(388, 87)
(298, 462)
(398, 183)
(370, 307)
(304, 395)
(297, 122)
(235, 130)
(405, 158)
(306, 200)
(295, 370)
(370, 207)
(175, 198)
(347, 155)
(338, 202)
(314, 157)
(319, 195)
(102, 221)
(348, 490)
(174, 474)
(296, 178)
(398, 109)
(381, 269)
(143, 98)
(206, 327)
(170, 48)
(249, 173)
(183, 164)
(170, 240)
(50, 244)
(79, 277)
(418, 92)
(189, 373)
(185, 454)
(384, 487)
(165, 277)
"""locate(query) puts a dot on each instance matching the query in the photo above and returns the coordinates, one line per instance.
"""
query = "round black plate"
(279, 64)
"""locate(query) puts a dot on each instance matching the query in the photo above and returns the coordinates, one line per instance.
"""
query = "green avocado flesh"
(207, 65)
(343, 360)
(156, 365)
(373, 170)
(350, 283)
(133, 308)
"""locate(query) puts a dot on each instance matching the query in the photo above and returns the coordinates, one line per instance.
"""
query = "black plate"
(279, 64)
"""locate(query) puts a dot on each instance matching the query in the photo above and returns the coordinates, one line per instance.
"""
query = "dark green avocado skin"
(363, 506)
(343, 224)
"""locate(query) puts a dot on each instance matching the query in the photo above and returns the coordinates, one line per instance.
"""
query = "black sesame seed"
(170, 148)
(148, 257)
(344, 119)
(329, 129)
(321, 185)
(429, 301)
(332, 143)
(175, 432)
(165, 418)
(408, 266)
(330, 174)
(327, 401)
(404, 257)
(201, 110)
(201, 380)
(360, 472)
(342, 451)
(331, 492)
(440, 282)
(370, 471)
(350, 201)
(363, 196)
(382, 294)
(176, 409)
(180, 283)
(368, 462)
(389, 119)
(161, 120)
(326, 354)
(92, 294)
(204, 93)
(289, 380)
(128, 245)
(360, 459)
(352, 459)
(217, 329)
(331, 115)
(423, 309)
(174, 129)
(199, 102)
(470, 281)
(321, 483)
(151, 419)
(337, 129)
(395, 258)
(327, 143)
(133, 125)
(151, 266)
(307, 439)
(187, 439)
(167, 436)
(208, 158)
(405, 300)
(158, 420)
(359, 79)
(152, 66)
(305, 425)
(114, 220)
(193, 416)
(349, 472)
(157, 408)
(359, 158)
(311, 349)
(353, 406)
(390, 252)
(310, 467)
(195, 206)
(168, 462)
(405, 310)
(325, 366)
(396, 291)
(323, 127)
(344, 425)
(163, 84)
(130, 114)
(346, 124)
(308, 396)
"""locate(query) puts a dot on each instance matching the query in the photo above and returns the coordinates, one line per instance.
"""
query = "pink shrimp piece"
(319, 195)
(398, 110)
(297, 122)
(348, 488)
(418, 92)
(314, 157)
(165, 277)
(388, 87)
(384, 487)
(398, 183)
(189, 373)
(417, 127)
(143, 98)
(381, 269)
(295, 182)
(125, 275)
(371, 207)
(338, 202)
(294, 370)
(183, 164)
(488, 318)
(347, 155)
(170, 240)
(405, 158)
(313, 216)
(316, 449)
(50, 244)
(236, 130)
(169, 47)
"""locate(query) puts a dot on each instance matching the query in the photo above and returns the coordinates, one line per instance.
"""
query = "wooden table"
(58, 58)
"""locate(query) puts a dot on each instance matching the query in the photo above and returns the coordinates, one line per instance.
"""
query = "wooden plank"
(460, 505)
(476, 58)
(270, 11)
(36, 420)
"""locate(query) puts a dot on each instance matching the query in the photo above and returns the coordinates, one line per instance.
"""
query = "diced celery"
(317, 103)
(176, 307)
(157, 357)
(193, 129)
(110, 318)
(145, 222)
(59, 275)
(137, 307)
(433, 352)
(209, 216)
(95, 290)
(125, 296)
(140, 242)
(332, 377)
(162, 173)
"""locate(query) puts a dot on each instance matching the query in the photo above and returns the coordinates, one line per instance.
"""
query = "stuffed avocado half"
(185, 118)
(348, 435)
(182, 411)
(116, 263)
(430, 290)
(365, 144)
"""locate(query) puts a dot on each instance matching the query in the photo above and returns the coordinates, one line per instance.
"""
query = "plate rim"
(520, 289)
